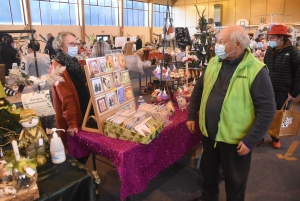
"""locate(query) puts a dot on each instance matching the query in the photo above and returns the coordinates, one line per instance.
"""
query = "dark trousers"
(280, 99)
(235, 167)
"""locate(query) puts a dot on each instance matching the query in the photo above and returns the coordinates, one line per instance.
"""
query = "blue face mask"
(273, 44)
(220, 51)
(72, 51)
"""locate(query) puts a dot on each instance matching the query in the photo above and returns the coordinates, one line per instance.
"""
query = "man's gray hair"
(240, 35)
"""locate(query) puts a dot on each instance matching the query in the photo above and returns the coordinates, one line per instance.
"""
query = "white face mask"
(72, 51)
(220, 51)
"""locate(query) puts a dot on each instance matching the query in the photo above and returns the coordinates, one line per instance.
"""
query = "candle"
(16, 149)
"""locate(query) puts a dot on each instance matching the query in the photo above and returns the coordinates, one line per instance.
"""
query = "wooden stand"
(98, 116)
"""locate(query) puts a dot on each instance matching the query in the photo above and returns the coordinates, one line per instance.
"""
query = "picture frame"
(101, 103)
(121, 95)
(109, 62)
(122, 61)
(102, 64)
(125, 77)
(115, 62)
(107, 82)
(92, 63)
(117, 78)
(128, 93)
(182, 104)
(111, 99)
(97, 86)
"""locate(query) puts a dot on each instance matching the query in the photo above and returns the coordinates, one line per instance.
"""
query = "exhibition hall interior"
(149, 100)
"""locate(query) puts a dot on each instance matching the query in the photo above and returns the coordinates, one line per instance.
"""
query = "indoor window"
(159, 14)
(11, 12)
(135, 13)
(101, 12)
(54, 12)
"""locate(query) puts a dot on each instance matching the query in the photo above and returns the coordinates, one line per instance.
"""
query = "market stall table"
(64, 182)
(136, 163)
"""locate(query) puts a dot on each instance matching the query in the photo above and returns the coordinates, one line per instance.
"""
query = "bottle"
(57, 149)
(141, 100)
(15, 66)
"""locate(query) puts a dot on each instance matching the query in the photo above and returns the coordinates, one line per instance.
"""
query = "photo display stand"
(110, 89)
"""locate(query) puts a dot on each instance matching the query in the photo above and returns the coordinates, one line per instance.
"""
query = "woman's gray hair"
(58, 42)
(240, 35)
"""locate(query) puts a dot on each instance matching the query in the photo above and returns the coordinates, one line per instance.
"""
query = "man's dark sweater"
(263, 102)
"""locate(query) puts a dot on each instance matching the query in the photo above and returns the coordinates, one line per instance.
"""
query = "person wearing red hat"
(283, 62)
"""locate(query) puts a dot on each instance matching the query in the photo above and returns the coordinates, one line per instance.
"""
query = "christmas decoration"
(203, 45)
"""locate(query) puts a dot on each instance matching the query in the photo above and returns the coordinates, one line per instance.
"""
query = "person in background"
(154, 41)
(82, 47)
(138, 43)
(100, 49)
(3, 43)
(283, 62)
(9, 55)
(128, 41)
(181, 54)
(49, 48)
(28, 63)
(236, 103)
(94, 42)
(70, 97)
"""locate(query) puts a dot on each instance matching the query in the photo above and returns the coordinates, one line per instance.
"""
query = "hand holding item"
(191, 126)
(72, 131)
(290, 98)
(242, 149)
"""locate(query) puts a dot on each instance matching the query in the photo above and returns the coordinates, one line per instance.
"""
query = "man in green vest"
(236, 105)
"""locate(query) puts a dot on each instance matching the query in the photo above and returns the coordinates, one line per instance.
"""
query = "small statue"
(32, 137)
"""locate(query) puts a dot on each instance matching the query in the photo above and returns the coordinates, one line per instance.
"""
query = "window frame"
(59, 2)
(11, 15)
(163, 13)
(138, 10)
(104, 7)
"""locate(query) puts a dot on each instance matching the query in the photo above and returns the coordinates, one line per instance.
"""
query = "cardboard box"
(114, 131)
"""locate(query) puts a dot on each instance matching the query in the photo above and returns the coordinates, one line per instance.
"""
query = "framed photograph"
(128, 93)
(115, 62)
(102, 64)
(181, 102)
(97, 85)
(107, 82)
(130, 105)
(101, 103)
(93, 65)
(125, 77)
(122, 62)
(109, 62)
(111, 99)
(117, 78)
(121, 95)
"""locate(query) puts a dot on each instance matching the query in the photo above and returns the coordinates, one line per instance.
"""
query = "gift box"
(114, 131)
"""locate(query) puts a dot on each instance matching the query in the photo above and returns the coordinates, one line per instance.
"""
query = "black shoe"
(197, 199)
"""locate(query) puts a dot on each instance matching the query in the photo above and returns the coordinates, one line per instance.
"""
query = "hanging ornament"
(200, 65)
(198, 48)
(206, 43)
(203, 50)
(194, 81)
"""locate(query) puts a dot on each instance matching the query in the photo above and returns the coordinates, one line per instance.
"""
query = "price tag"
(30, 171)
(41, 142)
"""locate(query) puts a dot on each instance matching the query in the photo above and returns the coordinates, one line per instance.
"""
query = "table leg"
(95, 169)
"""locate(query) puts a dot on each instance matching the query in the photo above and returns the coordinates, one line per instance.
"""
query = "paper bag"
(285, 122)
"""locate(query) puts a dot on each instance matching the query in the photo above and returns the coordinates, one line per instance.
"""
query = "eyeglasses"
(72, 44)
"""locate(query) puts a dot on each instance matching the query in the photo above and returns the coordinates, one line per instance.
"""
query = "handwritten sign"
(39, 101)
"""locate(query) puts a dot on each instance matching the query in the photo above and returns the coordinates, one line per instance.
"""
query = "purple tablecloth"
(136, 163)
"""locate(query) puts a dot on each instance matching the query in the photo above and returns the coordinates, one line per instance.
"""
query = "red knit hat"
(279, 30)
